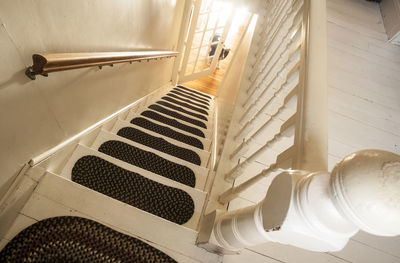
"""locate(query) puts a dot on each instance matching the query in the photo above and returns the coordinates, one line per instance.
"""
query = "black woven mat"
(194, 91)
(172, 122)
(131, 188)
(172, 106)
(192, 95)
(149, 161)
(159, 144)
(187, 101)
(177, 115)
(185, 105)
(166, 131)
(181, 94)
(76, 239)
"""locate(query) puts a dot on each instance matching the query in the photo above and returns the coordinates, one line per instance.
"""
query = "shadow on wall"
(18, 77)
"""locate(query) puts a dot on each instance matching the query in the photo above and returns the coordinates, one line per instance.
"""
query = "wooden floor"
(364, 112)
(211, 83)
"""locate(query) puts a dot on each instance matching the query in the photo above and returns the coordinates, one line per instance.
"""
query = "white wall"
(37, 115)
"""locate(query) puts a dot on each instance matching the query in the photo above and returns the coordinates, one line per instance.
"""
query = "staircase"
(144, 174)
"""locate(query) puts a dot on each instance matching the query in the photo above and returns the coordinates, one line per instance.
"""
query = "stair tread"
(159, 144)
(196, 195)
(187, 95)
(200, 172)
(190, 101)
(57, 196)
(192, 95)
(172, 122)
(186, 105)
(181, 110)
(176, 115)
(204, 155)
(131, 188)
(165, 130)
(195, 91)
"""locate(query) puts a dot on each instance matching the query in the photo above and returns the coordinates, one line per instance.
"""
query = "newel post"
(318, 211)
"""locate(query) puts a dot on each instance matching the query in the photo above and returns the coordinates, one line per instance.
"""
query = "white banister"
(319, 211)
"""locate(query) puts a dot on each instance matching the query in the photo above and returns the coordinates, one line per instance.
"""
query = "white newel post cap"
(365, 188)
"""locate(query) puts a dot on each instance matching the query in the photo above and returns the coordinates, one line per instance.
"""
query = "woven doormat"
(76, 239)
(131, 188)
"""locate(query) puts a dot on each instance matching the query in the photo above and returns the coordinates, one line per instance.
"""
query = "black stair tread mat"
(168, 132)
(187, 101)
(177, 115)
(149, 161)
(194, 91)
(184, 105)
(176, 92)
(133, 189)
(77, 239)
(191, 94)
(159, 144)
(172, 106)
(172, 122)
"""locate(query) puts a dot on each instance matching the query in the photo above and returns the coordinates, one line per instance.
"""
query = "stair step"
(119, 167)
(181, 103)
(173, 123)
(204, 155)
(57, 196)
(77, 239)
(200, 173)
(159, 144)
(180, 117)
(192, 95)
(169, 131)
(181, 110)
(187, 95)
(202, 94)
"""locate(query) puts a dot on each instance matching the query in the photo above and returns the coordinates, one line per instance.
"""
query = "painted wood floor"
(364, 112)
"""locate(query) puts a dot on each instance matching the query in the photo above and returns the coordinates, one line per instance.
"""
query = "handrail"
(47, 63)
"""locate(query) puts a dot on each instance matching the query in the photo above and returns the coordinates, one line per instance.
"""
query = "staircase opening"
(212, 40)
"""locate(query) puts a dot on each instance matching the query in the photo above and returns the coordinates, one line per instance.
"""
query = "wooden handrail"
(46, 63)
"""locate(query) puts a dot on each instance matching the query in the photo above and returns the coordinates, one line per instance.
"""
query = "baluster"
(292, 46)
(294, 10)
(235, 171)
(257, 111)
(249, 123)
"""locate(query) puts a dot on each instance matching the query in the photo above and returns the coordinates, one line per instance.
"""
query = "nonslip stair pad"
(180, 109)
(149, 161)
(77, 239)
(181, 94)
(194, 91)
(172, 122)
(131, 188)
(168, 132)
(159, 144)
(188, 101)
(176, 115)
(192, 95)
(186, 105)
